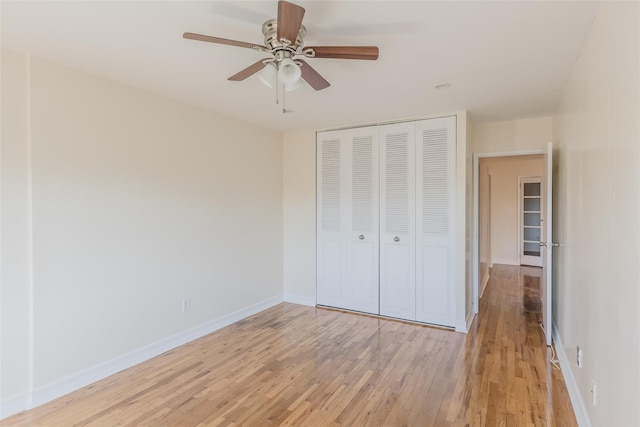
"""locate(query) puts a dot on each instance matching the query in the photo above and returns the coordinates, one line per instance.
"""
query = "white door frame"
(476, 215)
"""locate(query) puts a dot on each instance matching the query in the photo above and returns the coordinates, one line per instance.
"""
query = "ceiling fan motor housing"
(270, 32)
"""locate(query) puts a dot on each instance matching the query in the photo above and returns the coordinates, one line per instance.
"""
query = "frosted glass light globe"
(288, 71)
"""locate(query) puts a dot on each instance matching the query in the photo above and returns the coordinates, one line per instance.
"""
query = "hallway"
(506, 360)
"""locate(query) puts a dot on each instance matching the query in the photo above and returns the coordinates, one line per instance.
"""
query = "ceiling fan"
(284, 40)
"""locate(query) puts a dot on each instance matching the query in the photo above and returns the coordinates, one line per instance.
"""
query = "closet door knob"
(396, 239)
(361, 237)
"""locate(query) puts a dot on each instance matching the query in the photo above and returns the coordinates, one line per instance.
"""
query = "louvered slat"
(331, 185)
(362, 188)
(435, 182)
(397, 183)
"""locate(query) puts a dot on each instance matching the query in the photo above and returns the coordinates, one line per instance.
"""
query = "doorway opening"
(483, 260)
(509, 209)
(498, 216)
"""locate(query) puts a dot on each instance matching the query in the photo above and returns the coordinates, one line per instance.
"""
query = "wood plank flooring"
(293, 365)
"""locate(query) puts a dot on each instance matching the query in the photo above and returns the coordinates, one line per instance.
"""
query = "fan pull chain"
(284, 108)
(277, 92)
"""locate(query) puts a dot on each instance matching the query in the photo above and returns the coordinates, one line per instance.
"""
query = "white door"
(397, 221)
(348, 219)
(547, 248)
(435, 237)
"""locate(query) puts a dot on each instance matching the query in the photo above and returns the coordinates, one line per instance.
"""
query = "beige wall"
(597, 291)
(299, 188)
(504, 207)
(512, 136)
(15, 229)
(135, 202)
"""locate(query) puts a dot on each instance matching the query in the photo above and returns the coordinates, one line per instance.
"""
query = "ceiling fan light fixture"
(284, 41)
(288, 71)
(290, 87)
(268, 75)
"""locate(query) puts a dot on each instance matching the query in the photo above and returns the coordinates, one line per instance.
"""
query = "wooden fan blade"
(249, 71)
(312, 77)
(345, 52)
(220, 40)
(289, 21)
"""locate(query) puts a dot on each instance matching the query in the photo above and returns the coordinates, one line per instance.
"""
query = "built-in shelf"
(530, 220)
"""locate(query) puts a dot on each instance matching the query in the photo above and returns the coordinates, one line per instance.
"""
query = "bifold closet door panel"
(348, 230)
(363, 236)
(397, 221)
(331, 219)
(435, 210)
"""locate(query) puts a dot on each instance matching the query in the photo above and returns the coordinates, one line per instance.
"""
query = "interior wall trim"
(579, 408)
(392, 122)
(14, 404)
(484, 283)
(468, 322)
(506, 261)
(73, 382)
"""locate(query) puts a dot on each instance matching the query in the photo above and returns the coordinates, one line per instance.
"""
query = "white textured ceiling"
(503, 59)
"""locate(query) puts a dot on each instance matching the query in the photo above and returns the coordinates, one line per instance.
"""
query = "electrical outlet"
(186, 305)
(594, 392)
(579, 356)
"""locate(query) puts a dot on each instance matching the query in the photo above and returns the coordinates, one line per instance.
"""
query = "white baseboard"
(484, 283)
(505, 261)
(14, 404)
(56, 389)
(579, 407)
(466, 325)
(470, 318)
(300, 299)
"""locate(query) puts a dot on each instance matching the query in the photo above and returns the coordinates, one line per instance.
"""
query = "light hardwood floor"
(297, 365)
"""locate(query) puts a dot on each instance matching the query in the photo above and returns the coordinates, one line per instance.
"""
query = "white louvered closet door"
(435, 237)
(363, 240)
(397, 221)
(331, 219)
(348, 219)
